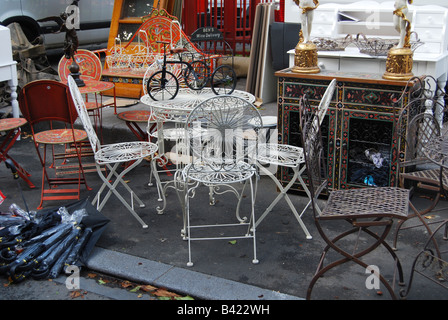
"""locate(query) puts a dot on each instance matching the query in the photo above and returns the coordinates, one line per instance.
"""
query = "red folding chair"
(49, 109)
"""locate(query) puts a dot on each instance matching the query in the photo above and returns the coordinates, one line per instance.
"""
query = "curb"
(195, 284)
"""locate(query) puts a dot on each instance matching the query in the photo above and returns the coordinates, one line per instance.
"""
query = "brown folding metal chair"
(363, 209)
(49, 109)
(417, 124)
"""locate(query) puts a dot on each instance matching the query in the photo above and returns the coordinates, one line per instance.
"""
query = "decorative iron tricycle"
(164, 85)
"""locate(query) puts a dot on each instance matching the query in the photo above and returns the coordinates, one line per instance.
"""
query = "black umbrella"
(44, 265)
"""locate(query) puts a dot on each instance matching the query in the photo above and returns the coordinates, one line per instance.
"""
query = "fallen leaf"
(183, 298)
(91, 275)
(126, 284)
(147, 288)
(135, 289)
(101, 281)
(76, 294)
(232, 241)
(165, 293)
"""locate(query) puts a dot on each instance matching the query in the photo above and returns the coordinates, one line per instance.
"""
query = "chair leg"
(283, 194)
(186, 194)
(187, 225)
(5, 146)
(425, 260)
(380, 240)
(252, 226)
(112, 189)
(419, 215)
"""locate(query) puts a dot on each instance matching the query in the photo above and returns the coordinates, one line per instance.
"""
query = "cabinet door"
(369, 150)
(369, 144)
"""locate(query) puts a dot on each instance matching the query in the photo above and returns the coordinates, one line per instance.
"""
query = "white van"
(94, 17)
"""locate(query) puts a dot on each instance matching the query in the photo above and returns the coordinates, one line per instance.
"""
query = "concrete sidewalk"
(222, 270)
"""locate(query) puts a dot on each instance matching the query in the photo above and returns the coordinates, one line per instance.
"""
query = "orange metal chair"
(49, 109)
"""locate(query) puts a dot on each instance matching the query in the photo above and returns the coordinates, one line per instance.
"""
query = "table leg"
(137, 131)
(9, 141)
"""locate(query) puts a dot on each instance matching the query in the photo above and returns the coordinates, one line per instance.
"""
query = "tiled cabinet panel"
(362, 146)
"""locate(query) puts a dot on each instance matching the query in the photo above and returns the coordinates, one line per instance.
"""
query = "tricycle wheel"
(223, 80)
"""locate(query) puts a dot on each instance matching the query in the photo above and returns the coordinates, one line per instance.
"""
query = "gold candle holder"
(399, 64)
(305, 58)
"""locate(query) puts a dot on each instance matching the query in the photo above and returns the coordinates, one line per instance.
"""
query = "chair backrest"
(80, 107)
(223, 131)
(420, 129)
(417, 121)
(313, 151)
(89, 66)
(47, 100)
(325, 101)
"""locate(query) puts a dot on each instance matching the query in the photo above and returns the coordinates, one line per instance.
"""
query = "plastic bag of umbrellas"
(40, 245)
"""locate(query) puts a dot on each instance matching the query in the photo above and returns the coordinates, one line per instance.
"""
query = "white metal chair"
(292, 157)
(221, 142)
(112, 155)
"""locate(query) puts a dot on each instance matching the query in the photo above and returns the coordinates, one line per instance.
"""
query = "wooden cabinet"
(362, 147)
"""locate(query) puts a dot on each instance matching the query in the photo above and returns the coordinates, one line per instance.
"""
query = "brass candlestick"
(399, 64)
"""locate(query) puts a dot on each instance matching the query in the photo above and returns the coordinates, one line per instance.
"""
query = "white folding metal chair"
(112, 155)
(221, 142)
(273, 155)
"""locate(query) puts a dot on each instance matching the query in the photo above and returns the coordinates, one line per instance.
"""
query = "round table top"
(135, 115)
(94, 86)
(11, 123)
(187, 99)
(88, 62)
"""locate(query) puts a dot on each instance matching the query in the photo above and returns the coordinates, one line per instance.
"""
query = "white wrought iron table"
(176, 111)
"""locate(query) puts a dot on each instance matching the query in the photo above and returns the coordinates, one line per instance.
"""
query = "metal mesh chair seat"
(124, 152)
(430, 176)
(367, 203)
(206, 174)
(280, 154)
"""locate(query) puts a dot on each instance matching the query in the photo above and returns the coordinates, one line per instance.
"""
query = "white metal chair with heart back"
(221, 141)
(111, 156)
